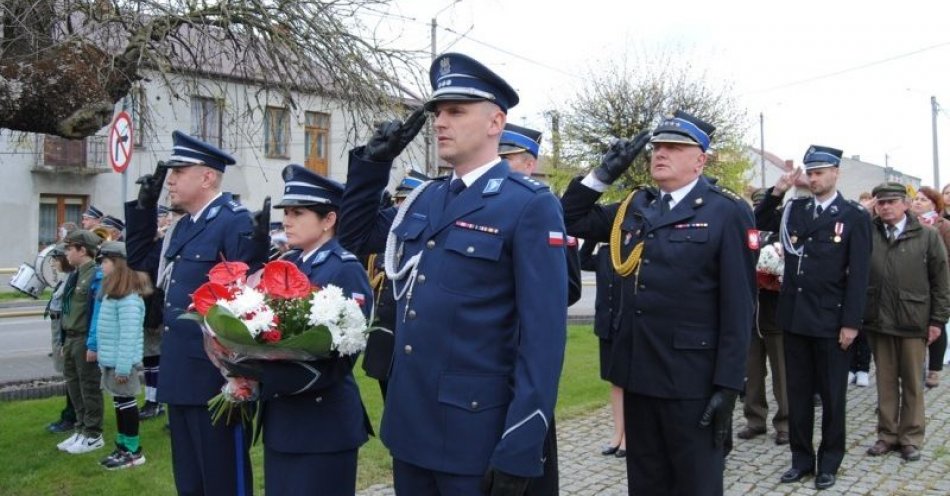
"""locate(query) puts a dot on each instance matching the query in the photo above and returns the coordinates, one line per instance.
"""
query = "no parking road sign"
(120, 142)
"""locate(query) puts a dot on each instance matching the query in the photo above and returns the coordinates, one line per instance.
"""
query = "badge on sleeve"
(555, 238)
(359, 298)
(752, 239)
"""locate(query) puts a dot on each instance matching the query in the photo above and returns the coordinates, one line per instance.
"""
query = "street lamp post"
(434, 146)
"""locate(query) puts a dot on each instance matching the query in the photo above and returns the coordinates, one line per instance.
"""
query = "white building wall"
(253, 178)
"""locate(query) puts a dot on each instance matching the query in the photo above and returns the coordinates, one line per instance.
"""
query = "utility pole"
(433, 166)
(762, 145)
(934, 108)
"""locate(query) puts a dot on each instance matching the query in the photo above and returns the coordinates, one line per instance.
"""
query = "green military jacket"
(76, 308)
(909, 287)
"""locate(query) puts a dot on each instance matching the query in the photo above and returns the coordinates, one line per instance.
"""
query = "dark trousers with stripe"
(668, 453)
(209, 459)
(819, 365)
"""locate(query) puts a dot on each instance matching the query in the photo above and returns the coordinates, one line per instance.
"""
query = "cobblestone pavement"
(755, 465)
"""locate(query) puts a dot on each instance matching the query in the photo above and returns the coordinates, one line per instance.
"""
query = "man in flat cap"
(479, 347)
(827, 245)
(206, 458)
(686, 253)
(908, 305)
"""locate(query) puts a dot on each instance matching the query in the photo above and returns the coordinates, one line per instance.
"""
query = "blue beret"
(113, 222)
(303, 187)
(684, 128)
(188, 151)
(413, 180)
(819, 157)
(93, 212)
(457, 77)
(517, 139)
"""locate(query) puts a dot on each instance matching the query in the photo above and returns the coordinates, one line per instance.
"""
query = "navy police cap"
(188, 151)
(517, 139)
(303, 187)
(819, 157)
(93, 212)
(457, 77)
(113, 222)
(413, 180)
(685, 129)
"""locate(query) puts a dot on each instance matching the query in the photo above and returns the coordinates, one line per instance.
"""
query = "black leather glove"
(392, 137)
(261, 220)
(151, 187)
(498, 483)
(718, 413)
(620, 156)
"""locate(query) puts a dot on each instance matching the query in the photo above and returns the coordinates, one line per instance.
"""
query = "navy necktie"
(818, 210)
(455, 187)
(665, 203)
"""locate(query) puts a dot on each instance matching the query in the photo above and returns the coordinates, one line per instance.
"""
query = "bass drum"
(27, 281)
(45, 269)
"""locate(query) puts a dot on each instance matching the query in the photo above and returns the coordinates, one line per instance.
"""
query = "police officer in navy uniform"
(313, 418)
(206, 459)
(520, 147)
(378, 356)
(481, 284)
(827, 245)
(686, 253)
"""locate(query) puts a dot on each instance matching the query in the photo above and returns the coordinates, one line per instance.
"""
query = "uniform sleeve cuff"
(593, 183)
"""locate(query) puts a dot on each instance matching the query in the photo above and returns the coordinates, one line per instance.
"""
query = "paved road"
(755, 465)
(24, 344)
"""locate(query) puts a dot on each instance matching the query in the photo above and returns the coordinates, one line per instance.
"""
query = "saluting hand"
(151, 187)
(620, 156)
(392, 137)
(786, 181)
(846, 337)
(261, 220)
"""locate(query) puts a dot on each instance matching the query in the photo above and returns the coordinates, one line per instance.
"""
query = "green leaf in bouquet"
(315, 341)
(227, 326)
(193, 316)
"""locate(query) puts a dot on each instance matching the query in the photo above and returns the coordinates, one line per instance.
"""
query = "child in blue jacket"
(118, 340)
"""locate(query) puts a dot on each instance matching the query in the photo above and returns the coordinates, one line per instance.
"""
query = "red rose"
(282, 279)
(271, 336)
(207, 295)
(228, 273)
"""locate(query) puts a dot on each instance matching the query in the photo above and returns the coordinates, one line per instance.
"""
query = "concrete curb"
(33, 389)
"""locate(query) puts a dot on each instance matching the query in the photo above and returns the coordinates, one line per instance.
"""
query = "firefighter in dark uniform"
(378, 356)
(206, 459)
(520, 147)
(686, 253)
(827, 245)
(313, 418)
(481, 291)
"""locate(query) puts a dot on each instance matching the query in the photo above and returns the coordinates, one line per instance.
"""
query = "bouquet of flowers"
(276, 315)
(770, 266)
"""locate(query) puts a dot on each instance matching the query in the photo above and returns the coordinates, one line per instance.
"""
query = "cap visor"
(299, 203)
(510, 150)
(673, 138)
(452, 97)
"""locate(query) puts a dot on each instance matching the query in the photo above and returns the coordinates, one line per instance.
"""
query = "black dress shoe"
(610, 450)
(824, 481)
(621, 453)
(794, 475)
(781, 438)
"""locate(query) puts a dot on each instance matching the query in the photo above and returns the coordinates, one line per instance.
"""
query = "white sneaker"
(86, 444)
(861, 379)
(851, 377)
(69, 441)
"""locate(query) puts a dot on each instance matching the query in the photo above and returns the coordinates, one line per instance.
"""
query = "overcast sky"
(839, 73)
